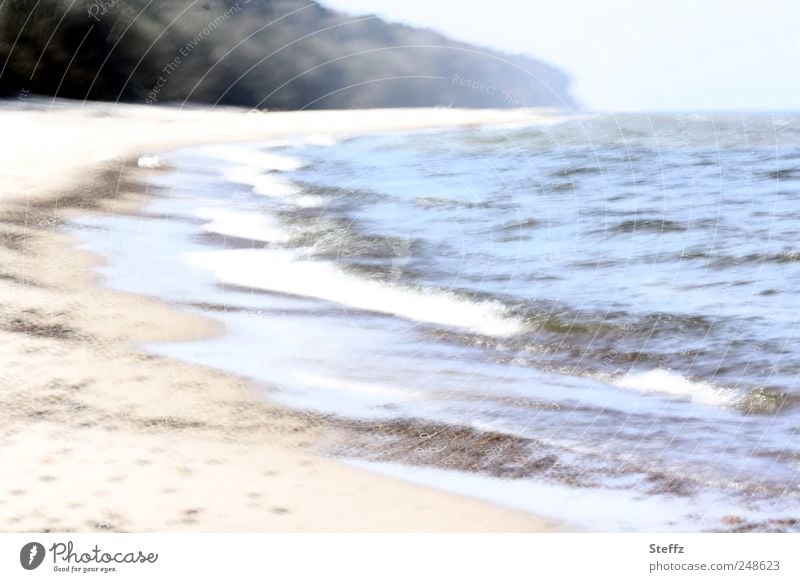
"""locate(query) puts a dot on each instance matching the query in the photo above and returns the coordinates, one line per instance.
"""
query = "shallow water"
(617, 293)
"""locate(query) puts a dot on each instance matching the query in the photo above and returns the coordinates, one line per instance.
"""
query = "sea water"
(619, 293)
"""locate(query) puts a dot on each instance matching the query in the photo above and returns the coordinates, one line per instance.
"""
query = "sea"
(593, 317)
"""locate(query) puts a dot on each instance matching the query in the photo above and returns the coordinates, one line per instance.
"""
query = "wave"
(720, 261)
(264, 184)
(237, 224)
(283, 272)
(751, 400)
(647, 225)
(272, 186)
(261, 171)
(665, 382)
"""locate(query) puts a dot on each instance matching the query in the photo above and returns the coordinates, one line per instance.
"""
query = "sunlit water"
(620, 292)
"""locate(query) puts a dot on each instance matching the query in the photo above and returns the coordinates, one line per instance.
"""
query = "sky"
(634, 55)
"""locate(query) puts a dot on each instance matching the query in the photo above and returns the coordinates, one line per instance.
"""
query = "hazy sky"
(634, 54)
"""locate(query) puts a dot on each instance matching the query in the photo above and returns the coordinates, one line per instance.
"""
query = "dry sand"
(96, 435)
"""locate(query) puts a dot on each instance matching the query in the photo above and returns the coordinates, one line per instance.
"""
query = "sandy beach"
(97, 435)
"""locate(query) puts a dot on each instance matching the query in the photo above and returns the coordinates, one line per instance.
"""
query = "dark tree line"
(277, 54)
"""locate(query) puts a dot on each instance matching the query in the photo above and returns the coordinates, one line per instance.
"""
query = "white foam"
(672, 384)
(380, 392)
(262, 184)
(308, 201)
(258, 170)
(267, 185)
(249, 225)
(149, 162)
(283, 272)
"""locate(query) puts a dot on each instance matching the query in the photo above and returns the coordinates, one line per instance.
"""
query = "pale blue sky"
(634, 54)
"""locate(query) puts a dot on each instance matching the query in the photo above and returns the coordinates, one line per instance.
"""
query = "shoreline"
(109, 438)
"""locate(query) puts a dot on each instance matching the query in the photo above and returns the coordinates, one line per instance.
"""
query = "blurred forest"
(276, 54)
